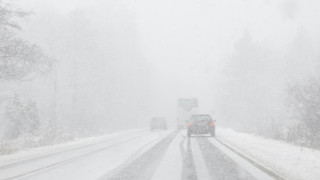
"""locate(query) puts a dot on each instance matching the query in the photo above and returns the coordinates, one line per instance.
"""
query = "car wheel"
(213, 134)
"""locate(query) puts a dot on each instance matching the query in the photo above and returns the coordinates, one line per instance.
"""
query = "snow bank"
(290, 161)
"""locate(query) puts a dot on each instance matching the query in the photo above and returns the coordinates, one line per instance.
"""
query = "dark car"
(201, 124)
(158, 123)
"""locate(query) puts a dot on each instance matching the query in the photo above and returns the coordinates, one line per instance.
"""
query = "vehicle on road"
(201, 124)
(186, 107)
(158, 123)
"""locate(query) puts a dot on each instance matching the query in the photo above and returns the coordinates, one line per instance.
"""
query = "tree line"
(273, 93)
(20, 61)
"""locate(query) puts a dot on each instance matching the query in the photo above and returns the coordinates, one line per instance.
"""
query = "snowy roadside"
(98, 159)
(290, 161)
(52, 149)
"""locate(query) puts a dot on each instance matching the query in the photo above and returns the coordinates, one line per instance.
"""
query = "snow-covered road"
(137, 155)
(86, 161)
(197, 158)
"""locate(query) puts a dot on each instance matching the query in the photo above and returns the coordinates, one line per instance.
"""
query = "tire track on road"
(188, 167)
(143, 167)
(221, 166)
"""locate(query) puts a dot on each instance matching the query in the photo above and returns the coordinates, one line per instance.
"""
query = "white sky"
(188, 41)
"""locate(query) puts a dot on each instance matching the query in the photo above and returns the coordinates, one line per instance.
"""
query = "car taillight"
(211, 124)
(189, 124)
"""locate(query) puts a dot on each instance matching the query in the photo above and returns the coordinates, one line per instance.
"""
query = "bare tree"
(18, 58)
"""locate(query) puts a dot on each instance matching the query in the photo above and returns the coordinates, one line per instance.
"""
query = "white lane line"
(250, 168)
(252, 160)
(171, 165)
(199, 162)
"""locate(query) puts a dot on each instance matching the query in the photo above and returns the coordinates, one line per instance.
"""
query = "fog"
(117, 64)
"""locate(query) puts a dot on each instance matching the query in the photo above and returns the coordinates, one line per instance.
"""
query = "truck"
(186, 107)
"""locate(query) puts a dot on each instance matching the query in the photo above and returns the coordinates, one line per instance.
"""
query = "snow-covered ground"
(89, 158)
(52, 149)
(200, 156)
(290, 161)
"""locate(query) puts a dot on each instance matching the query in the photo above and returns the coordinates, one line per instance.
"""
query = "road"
(142, 155)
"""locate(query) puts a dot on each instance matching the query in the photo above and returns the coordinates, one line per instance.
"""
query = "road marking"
(265, 169)
(250, 168)
(199, 162)
(144, 166)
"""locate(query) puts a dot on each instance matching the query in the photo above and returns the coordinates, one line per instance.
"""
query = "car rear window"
(201, 118)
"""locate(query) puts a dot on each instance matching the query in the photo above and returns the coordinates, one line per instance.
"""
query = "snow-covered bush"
(304, 103)
(24, 125)
(22, 142)
(23, 118)
(299, 135)
(271, 128)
